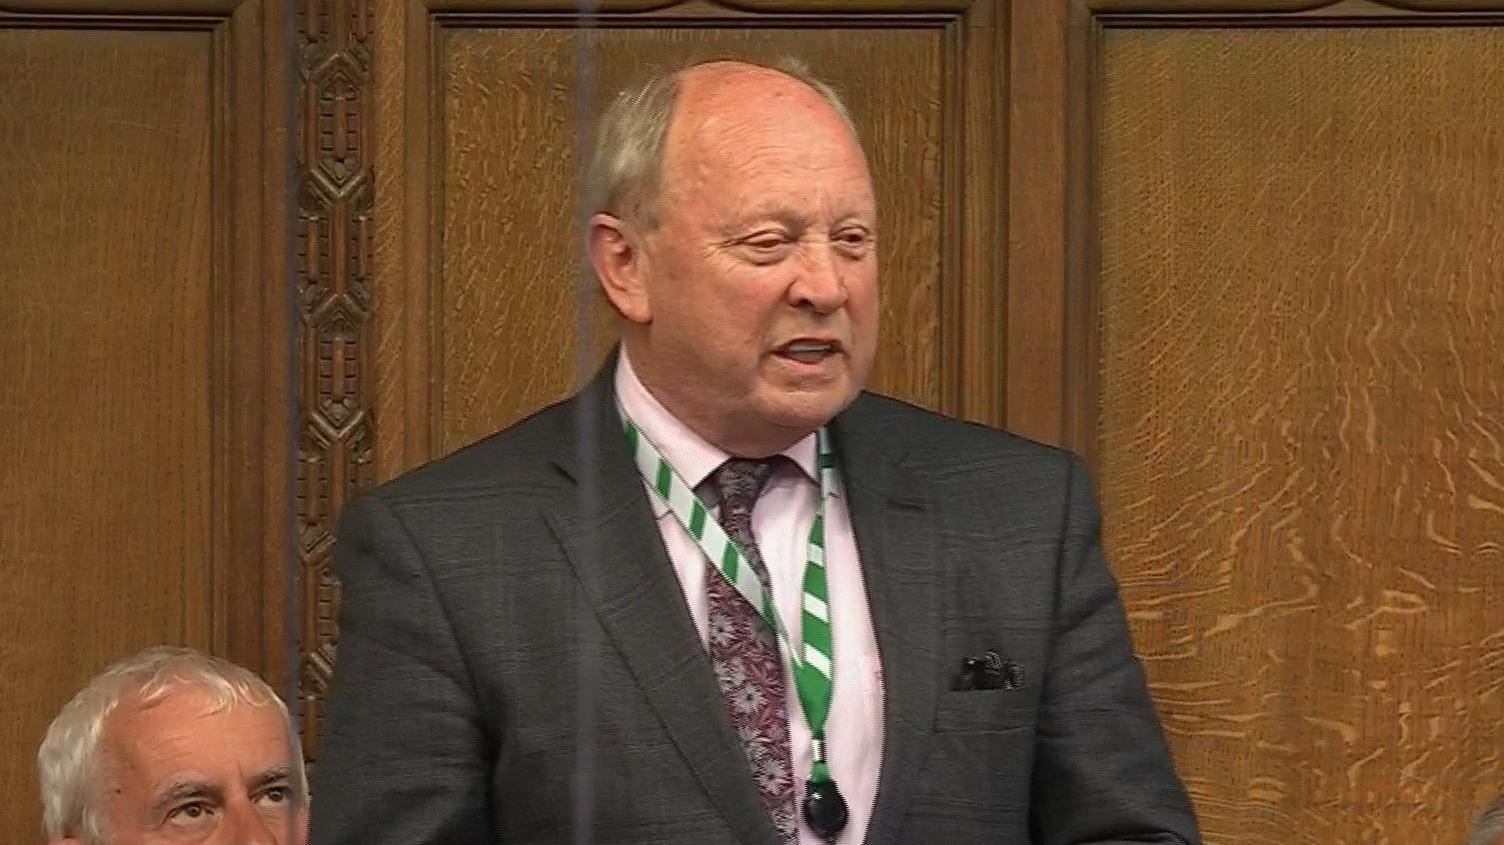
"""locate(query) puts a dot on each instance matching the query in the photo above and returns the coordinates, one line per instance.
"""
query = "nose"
(820, 286)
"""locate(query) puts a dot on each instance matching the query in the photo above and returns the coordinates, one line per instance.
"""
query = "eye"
(854, 242)
(765, 247)
(277, 795)
(766, 241)
(190, 813)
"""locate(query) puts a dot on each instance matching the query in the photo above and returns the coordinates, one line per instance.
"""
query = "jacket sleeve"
(1102, 773)
(404, 757)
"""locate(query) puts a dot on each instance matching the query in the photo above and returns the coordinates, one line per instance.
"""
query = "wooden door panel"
(141, 457)
(105, 392)
(1300, 418)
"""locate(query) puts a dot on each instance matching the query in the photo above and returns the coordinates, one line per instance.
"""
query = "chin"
(808, 411)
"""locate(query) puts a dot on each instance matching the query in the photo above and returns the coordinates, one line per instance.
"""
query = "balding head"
(728, 110)
(627, 161)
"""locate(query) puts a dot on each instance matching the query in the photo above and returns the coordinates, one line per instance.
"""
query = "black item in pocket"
(990, 671)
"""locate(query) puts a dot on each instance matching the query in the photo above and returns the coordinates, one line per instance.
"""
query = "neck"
(754, 446)
(734, 437)
(731, 433)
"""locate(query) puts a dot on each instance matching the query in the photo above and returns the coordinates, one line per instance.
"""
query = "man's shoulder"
(936, 438)
(519, 456)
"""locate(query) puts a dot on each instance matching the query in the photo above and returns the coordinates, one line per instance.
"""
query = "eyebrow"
(738, 229)
(270, 776)
(183, 790)
(736, 225)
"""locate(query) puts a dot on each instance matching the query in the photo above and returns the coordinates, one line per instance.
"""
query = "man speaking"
(722, 595)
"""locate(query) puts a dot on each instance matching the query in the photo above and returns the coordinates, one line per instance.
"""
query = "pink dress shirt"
(781, 522)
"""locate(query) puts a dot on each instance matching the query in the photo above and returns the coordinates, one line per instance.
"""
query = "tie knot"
(739, 481)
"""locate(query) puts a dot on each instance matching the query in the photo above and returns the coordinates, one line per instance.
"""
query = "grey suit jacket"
(517, 664)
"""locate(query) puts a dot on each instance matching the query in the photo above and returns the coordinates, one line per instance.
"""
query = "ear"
(618, 259)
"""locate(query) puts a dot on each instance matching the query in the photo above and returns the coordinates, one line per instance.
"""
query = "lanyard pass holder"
(824, 808)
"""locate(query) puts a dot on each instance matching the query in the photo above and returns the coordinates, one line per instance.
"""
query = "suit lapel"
(896, 540)
(605, 525)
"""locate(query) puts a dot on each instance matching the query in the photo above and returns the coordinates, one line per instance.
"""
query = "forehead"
(183, 733)
(753, 127)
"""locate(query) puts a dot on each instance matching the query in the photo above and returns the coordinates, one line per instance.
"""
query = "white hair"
(1489, 829)
(68, 763)
(627, 164)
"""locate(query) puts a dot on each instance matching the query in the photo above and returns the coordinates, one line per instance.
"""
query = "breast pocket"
(985, 710)
(981, 756)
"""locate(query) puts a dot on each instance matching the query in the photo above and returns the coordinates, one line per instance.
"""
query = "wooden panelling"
(1300, 415)
(105, 463)
(142, 397)
(1300, 12)
(508, 301)
(1036, 228)
(129, 11)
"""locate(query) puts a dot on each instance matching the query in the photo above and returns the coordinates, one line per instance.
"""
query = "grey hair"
(625, 175)
(68, 762)
(1489, 829)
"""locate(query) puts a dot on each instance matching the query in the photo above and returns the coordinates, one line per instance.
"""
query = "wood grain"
(256, 587)
(105, 426)
(1314, 8)
(974, 331)
(1036, 208)
(511, 297)
(1301, 417)
(70, 10)
(710, 8)
(144, 403)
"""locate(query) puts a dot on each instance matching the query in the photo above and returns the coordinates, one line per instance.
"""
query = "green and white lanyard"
(814, 662)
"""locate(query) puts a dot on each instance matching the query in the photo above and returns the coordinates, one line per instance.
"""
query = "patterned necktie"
(744, 652)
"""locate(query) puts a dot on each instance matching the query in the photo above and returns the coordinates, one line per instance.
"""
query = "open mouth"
(809, 351)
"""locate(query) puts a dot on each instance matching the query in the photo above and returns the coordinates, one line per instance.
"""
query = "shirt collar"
(693, 457)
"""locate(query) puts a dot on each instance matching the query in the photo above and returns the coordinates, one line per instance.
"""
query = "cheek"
(862, 289)
(746, 305)
(299, 832)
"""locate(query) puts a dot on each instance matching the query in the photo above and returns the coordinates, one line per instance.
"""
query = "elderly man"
(173, 746)
(722, 596)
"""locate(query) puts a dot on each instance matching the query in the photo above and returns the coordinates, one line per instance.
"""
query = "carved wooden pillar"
(334, 244)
